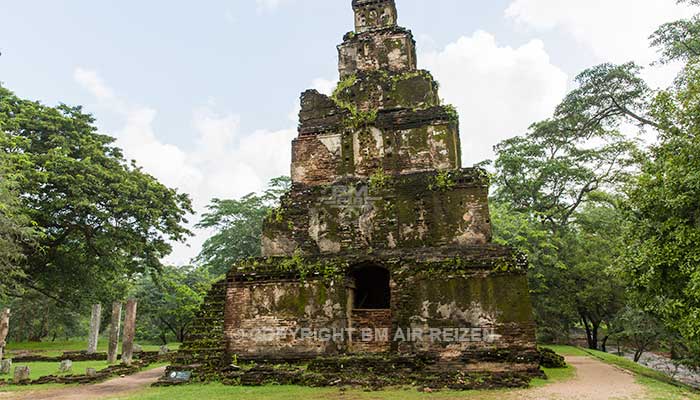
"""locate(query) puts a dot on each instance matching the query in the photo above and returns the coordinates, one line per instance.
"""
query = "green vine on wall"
(442, 182)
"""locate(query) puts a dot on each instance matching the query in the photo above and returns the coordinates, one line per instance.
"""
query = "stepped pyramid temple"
(378, 267)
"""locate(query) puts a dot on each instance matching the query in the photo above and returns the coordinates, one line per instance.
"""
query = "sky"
(204, 95)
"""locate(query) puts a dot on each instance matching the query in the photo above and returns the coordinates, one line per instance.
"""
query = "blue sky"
(203, 94)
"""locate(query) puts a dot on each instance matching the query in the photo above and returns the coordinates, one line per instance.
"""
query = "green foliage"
(102, 219)
(16, 230)
(663, 257)
(452, 112)
(442, 182)
(550, 359)
(639, 330)
(238, 226)
(168, 303)
(344, 84)
(549, 201)
(379, 180)
(678, 40)
(36, 317)
(560, 162)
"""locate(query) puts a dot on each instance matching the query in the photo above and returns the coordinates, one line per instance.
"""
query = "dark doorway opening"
(372, 290)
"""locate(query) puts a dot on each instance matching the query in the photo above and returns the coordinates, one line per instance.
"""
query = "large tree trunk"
(129, 332)
(591, 331)
(604, 345)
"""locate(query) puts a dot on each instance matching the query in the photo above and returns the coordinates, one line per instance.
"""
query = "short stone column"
(114, 329)
(91, 372)
(5, 367)
(94, 328)
(65, 367)
(129, 332)
(21, 375)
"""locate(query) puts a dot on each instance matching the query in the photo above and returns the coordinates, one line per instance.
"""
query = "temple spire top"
(374, 14)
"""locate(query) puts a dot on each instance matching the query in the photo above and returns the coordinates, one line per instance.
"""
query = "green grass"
(221, 392)
(39, 369)
(55, 349)
(566, 351)
(554, 375)
(663, 391)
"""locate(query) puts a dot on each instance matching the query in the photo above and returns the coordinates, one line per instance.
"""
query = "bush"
(550, 359)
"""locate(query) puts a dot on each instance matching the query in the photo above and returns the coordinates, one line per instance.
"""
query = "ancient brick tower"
(381, 255)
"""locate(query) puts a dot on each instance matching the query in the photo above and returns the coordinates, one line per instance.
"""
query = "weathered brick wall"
(257, 311)
(410, 211)
(488, 317)
(331, 147)
(377, 322)
(391, 50)
(374, 14)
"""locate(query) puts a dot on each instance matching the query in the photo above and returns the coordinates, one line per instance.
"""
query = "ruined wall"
(488, 319)
(391, 50)
(481, 287)
(384, 212)
(263, 318)
(374, 14)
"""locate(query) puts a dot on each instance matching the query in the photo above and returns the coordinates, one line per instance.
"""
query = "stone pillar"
(5, 367)
(129, 332)
(21, 375)
(4, 330)
(65, 367)
(94, 328)
(114, 328)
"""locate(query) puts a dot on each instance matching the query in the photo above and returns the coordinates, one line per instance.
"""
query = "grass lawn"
(55, 349)
(39, 369)
(221, 392)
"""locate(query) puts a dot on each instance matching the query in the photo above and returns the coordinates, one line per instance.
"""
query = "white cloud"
(325, 86)
(269, 5)
(223, 162)
(616, 31)
(498, 91)
(93, 83)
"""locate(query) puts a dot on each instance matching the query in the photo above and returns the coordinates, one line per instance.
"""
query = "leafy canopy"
(238, 226)
(102, 219)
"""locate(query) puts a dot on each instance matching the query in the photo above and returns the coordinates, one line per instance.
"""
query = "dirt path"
(594, 380)
(111, 388)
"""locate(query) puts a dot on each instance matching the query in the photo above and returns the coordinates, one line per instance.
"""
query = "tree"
(592, 253)
(238, 225)
(527, 234)
(103, 219)
(663, 257)
(640, 330)
(554, 180)
(679, 40)
(168, 302)
(16, 231)
(552, 170)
